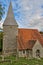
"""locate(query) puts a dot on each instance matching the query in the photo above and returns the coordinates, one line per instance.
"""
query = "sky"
(28, 13)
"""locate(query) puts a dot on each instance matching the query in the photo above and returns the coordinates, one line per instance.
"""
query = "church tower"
(10, 29)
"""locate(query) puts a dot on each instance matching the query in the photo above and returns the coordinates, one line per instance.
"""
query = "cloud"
(37, 24)
(26, 12)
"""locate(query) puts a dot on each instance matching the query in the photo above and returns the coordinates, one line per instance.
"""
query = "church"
(10, 29)
(24, 42)
(30, 43)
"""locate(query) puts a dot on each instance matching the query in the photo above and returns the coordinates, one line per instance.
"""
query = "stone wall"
(21, 54)
(10, 40)
(39, 47)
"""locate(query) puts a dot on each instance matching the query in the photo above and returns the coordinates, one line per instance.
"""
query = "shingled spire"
(10, 29)
(10, 20)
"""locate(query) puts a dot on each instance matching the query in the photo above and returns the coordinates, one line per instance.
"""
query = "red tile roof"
(30, 44)
(27, 35)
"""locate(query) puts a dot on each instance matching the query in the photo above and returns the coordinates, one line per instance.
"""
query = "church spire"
(10, 20)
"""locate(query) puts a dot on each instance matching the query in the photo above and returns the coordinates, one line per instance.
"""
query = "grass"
(22, 61)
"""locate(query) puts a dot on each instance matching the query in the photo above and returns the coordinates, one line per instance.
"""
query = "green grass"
(22, 61)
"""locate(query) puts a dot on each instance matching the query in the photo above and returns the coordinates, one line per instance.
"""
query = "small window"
(23, 51)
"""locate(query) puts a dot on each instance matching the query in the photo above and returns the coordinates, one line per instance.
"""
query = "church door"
(38, 53)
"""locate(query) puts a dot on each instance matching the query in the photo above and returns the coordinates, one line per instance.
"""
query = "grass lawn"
(22, 61)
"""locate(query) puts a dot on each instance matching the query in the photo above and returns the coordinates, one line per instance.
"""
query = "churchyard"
(11, 60)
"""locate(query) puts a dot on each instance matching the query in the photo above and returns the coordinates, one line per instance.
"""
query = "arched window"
(37, 53)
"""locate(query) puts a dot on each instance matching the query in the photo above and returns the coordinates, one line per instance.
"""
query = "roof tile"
(30, 36)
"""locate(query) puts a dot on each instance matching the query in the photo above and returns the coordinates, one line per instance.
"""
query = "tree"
(1, 11)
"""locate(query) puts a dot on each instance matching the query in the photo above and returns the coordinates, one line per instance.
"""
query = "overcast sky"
(28, 13)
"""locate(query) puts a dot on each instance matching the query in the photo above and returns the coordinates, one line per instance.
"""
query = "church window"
(23, 51)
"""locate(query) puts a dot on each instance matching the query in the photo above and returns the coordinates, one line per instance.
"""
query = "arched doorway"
(38, 53)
